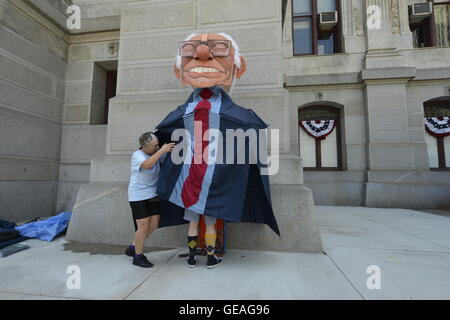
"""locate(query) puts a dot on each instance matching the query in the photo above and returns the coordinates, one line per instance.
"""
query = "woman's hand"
(167, 147)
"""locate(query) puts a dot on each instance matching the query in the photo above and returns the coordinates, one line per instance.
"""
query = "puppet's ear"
(242, 70)
(176, 71)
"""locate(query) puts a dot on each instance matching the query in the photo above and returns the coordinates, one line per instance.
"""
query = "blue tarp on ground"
(46, 229)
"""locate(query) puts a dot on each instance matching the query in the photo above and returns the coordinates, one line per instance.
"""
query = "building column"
(395, 165)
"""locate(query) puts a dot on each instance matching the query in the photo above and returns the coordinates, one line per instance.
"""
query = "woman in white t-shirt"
(142, 195)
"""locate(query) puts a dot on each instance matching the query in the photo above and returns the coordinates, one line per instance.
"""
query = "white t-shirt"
(143, 182)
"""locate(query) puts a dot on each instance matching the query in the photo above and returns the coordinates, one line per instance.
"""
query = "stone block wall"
(83, 131)
(32, 75)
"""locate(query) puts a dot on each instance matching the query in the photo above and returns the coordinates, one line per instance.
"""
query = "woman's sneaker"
(191, 261)
(141, 261)
(130, 251)
(213, 261)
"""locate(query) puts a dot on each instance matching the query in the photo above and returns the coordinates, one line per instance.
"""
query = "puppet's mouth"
(202, 70)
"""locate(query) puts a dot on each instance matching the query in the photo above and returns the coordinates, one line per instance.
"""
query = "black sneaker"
(191, 261)
(130, 251)
(142, 261)
(213, 261)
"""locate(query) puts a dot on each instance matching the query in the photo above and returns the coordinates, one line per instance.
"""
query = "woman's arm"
(150, 162)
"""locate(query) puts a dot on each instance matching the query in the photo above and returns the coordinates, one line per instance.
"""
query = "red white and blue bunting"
(318, 129)
(438, 126)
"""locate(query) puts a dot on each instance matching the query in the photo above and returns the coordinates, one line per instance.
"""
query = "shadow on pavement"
(104, 249)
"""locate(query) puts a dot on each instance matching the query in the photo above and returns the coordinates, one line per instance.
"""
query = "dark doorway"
(110, 90)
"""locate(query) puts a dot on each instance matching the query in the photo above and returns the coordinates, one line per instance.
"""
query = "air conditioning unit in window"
(328, 20)
(419, 11)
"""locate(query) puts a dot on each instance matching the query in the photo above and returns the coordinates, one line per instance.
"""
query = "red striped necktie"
(193, 184)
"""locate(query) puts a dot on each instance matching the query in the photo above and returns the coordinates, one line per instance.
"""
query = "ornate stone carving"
(357, 23)
(394, 16)
(113, 48)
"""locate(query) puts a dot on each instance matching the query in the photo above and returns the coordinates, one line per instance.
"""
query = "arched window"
(319, 138)
(437, 126)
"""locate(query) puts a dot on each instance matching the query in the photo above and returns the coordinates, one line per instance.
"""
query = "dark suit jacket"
(238, 192)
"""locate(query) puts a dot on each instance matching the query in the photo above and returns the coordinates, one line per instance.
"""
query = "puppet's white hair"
(237, 56)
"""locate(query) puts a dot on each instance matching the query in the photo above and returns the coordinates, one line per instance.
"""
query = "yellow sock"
(210, 240)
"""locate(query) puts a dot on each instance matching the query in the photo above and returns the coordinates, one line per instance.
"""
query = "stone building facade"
(57, 137)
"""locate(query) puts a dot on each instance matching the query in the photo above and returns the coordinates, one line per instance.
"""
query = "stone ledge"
(388, 73)
(334, 176)
(55, 11)
(407, 195)
(346, 193)
(433, 73)
(102, 215)
(409, 177)
(322, 79)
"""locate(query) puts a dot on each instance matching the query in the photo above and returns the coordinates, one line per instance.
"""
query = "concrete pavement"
(411, 249)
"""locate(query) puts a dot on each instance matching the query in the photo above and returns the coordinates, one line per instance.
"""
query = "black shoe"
(191, 261)
(142, 261)
(213, 261)
(130, 251)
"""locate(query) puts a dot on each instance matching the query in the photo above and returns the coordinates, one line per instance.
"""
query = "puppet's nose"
(202, 52)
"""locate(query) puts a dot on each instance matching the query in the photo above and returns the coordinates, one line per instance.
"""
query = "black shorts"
(144, 209)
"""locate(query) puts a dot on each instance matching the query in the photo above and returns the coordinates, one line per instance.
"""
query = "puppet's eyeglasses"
(218, 48)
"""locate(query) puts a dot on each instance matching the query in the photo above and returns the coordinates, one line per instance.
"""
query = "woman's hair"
(146, 138)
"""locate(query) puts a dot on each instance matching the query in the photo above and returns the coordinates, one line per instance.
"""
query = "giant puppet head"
(208, 60)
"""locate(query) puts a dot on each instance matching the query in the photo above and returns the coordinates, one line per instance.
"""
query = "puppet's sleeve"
(256, 120)
(174, 120)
